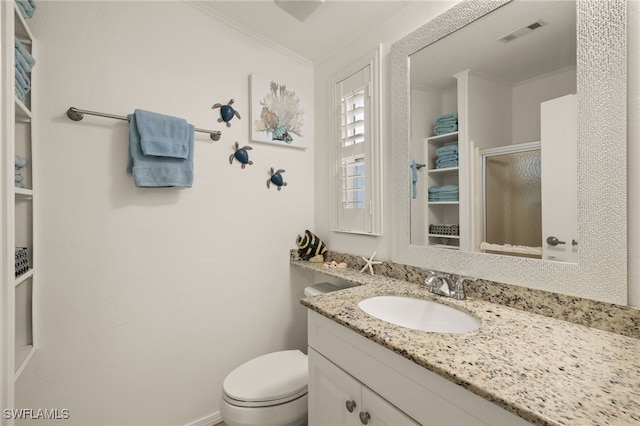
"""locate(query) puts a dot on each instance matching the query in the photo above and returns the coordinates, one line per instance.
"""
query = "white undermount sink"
(419, 314)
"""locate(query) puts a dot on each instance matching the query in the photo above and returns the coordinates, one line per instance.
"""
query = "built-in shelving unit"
(441, 213)
(18, 211)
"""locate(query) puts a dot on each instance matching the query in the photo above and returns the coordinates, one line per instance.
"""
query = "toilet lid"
(273, 378)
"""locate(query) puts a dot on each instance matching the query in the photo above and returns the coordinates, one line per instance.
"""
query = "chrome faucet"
(441, 284)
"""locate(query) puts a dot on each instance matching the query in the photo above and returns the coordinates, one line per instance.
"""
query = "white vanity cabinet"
(341, 400)
(345, 368)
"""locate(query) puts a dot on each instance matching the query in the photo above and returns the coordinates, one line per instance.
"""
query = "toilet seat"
(271, 379)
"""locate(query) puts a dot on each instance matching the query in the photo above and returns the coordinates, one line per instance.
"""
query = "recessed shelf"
(22, 357)
(23, 192)
(24, 277)
(447, 171)
(22, 30)
(22, 112)
(443, 203)
(442, 139)
(457, 237)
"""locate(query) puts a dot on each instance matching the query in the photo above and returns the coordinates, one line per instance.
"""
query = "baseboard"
(209, 420)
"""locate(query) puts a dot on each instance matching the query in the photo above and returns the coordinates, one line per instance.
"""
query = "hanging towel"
(152, 171)
(414, 179)
(447, 117)
(27, 8)
(162, 135)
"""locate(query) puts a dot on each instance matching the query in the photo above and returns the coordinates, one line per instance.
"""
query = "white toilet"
(270, 390)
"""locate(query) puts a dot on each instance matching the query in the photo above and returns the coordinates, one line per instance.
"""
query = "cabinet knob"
(351, 405)
(364, 417)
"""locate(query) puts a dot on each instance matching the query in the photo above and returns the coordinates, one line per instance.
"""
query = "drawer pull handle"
(351, 405)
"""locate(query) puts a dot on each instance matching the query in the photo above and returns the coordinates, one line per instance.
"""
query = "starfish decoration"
(370, 263)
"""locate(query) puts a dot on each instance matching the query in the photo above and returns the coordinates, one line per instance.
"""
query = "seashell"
(317, 259)
(342, 265)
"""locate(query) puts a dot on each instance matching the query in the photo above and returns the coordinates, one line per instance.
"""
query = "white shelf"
(23, 192)
(22, 112)
(443, 203)
(24, 277)
(444, 246)
(447, 171)
(22, 30)
(455, 237)
(23, 355)
(442, 139)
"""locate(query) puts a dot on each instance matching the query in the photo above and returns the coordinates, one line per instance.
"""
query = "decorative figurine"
(370, 263)
(276, 179)
(241, 155)
(310, 246)
(226, 112)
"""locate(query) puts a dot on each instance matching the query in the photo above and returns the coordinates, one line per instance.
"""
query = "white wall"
(407, 19)
(399, 25)
(147, 298)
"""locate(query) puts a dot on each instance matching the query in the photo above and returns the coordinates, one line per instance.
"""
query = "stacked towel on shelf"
(446, 123)
(22, 261)
(160, 150)
(20, 162)
(26, 7)
(444, 193)
(447, 156)
(24, 64)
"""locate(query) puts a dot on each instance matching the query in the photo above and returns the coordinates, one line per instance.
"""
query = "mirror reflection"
(493, 135)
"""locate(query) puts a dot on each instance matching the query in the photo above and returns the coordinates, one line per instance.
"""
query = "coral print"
(277, 113)
(281, 116)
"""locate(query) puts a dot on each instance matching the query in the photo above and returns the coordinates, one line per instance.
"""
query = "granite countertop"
(545, 370)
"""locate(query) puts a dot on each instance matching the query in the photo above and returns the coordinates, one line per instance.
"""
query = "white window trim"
(375, 162)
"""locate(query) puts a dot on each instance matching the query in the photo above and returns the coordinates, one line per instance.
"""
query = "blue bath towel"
(441, 129)
(152, 171)
(448, 164)
(22, 79)
(414, 179)
(20, 161)
(447, 118)
(447, 149)
(27, 8)
(19, 92)
(23, 53)
(446, 158)
(163, 135)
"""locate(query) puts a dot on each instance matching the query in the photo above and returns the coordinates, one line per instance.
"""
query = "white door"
(334, 396)
(559, 179)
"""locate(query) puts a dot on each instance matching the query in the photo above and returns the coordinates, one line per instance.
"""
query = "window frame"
(372, 148)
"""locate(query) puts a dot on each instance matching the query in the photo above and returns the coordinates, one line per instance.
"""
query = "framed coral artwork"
(277, 113)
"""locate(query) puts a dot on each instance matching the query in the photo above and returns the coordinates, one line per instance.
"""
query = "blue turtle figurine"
(226, 112)
(241, 155)
(276, 179)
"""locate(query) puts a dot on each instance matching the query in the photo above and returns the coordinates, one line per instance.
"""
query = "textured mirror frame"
(601, 271)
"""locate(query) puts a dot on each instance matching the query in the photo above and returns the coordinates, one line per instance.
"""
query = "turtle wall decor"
(276, 178)
(227, 112)
(241, 155)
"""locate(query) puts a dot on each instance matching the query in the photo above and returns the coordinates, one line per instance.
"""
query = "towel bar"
(76, 114)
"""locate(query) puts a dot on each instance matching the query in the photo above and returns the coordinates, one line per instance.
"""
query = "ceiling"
(549, 48)
(333, 25)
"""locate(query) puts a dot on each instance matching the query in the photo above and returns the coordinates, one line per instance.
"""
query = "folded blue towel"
(447, 117)
(20, 161)
(447, 165)
(22, 79)
(441, 129)
(153, 171)
(19, 185)
(18, 177)
(445, 158)
(163, 135)
(22, 53)
(27, 8)
(447, 149)
(443, 189)
(19, 92)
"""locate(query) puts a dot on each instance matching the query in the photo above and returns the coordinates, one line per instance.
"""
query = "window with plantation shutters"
(356, 152)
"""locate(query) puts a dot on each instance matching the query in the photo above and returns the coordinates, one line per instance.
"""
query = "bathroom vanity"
(517, 368)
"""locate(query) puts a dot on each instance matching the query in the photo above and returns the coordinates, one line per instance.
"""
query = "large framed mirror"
(480, 82)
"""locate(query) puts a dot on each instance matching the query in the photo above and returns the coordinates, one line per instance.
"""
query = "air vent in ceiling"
(522, 31)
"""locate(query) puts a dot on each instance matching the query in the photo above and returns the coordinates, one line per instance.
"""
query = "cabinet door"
(331, 392)
(376, 411)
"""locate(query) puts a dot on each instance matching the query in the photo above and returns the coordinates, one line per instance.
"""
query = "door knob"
(364, 417)
(554, 241)
(350, 406)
